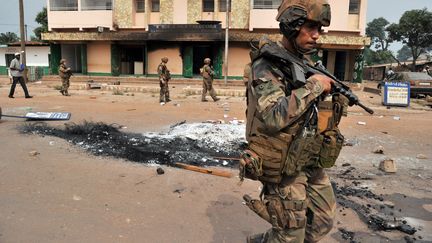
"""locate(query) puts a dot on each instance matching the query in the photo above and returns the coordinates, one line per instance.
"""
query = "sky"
(391, 10)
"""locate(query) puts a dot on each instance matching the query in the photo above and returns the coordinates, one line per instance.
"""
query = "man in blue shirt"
(17, 69)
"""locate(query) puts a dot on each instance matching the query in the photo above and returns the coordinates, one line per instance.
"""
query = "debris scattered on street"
(379, 150)
(215, 172)
(160, 171)
(361, 123)
(397, 118)
(421, 156)
(388, 166)
(34, 153)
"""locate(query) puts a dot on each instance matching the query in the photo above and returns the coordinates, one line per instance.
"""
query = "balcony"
(79, 14)
(263, 19)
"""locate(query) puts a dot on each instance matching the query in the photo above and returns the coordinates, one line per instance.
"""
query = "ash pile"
(202, 144)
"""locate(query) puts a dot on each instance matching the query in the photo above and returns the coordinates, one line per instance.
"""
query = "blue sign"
(396, 93)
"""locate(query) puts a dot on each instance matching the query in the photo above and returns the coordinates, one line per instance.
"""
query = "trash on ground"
(388, 166)
(34, 153)
(215, 172)
(421, 156)
(379, 150)
(361, 123)
(160, 171)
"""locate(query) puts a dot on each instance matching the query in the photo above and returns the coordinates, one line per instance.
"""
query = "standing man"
(164, 77)
(65, 74)
(208, 74)
(17, 69)
(287, 148)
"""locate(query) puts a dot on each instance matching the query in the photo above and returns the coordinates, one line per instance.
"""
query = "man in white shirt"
(16, 69)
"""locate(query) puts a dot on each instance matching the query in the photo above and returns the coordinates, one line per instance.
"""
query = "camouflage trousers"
(307, 207)
(65, 85)
(164, 92)
(208, 86)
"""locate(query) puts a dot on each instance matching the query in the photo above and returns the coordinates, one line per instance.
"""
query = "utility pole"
(25, 31)
(23, 38)
(226, 41)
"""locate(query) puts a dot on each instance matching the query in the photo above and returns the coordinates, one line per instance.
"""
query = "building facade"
(129, 37)
(37, 56)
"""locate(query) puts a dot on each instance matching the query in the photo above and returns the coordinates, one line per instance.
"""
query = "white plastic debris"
(397, 118)
(361, 123)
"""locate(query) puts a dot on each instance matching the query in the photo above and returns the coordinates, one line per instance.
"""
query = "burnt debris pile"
(375, 210)
(198, 144)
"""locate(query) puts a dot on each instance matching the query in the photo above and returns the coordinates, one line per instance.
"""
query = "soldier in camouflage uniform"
(287, 151)
(64, 73)
(208, 74)
(164, 77)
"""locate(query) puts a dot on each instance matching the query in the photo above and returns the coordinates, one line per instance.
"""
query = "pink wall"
(175, 63)
(238, 57)
(99, 57)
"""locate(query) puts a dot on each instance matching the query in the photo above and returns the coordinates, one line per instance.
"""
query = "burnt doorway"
(200, 52)
(132, 59)
(340, 64)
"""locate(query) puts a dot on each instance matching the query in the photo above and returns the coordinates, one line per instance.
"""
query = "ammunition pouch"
(331, 146)
(264, 159)
(304, 151)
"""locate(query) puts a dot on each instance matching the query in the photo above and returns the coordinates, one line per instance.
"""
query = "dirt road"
(52, 191)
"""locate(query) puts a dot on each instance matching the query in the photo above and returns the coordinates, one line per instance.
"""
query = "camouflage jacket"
(64, 72)
(164, 73)
(272, 106)
(207, 72)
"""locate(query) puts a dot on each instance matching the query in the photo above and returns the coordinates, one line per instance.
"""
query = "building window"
(96, 4)
(63, 5)
(354, 7)
(140, 6)
(266, 4)
(155, 5)
(222, 5)
(208, 5)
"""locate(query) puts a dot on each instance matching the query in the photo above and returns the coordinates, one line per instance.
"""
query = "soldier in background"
(164, 77)
(288, 148)
(65, 73)
(208, 74)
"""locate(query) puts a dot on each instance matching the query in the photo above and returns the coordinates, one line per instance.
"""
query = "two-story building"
(129, 37)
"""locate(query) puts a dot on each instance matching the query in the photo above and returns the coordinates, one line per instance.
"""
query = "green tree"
(42, 19)
(376, 29)
(404, 53)
(377, 57)
(8, 37)
(415, 31)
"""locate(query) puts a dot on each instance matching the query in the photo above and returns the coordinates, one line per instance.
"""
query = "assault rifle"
(302, 70)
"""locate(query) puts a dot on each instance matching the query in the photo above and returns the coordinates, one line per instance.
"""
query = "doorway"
(340, 64)
(72, 54)
(194, 55)
(200, 52)
(132, 59)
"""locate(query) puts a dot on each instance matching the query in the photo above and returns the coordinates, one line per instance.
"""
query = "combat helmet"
(164, 59)
(207, 60)
(292, 14)
(62, 61)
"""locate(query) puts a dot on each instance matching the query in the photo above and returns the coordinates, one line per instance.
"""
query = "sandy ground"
(64, 194)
